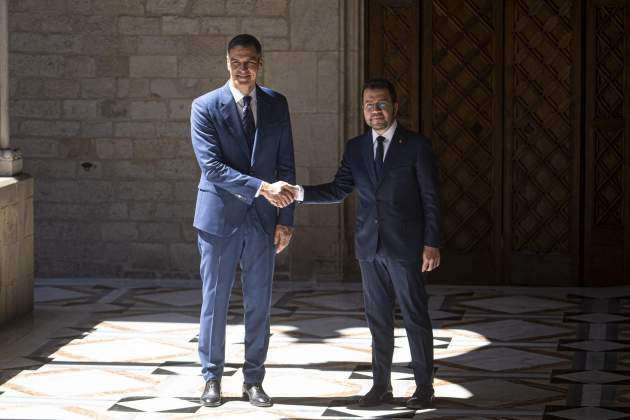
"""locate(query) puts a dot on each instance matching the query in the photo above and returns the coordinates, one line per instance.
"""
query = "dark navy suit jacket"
(402, 208)
(230, 174)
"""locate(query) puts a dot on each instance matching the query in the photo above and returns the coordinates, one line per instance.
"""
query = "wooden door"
(533, 172)
(450, 88)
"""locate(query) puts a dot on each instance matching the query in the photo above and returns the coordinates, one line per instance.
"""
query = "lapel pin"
(399, 141)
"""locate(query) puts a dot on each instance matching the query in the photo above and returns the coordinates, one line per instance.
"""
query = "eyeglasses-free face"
(243, 64)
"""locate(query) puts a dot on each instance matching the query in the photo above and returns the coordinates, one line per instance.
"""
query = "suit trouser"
(255, 250)
(384, 281)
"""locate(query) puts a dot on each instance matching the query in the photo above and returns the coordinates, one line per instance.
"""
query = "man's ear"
(395, 109)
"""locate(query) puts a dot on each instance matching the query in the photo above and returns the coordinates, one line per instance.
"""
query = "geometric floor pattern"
(127, 350)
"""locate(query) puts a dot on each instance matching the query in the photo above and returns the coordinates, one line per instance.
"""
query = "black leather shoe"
(422, 398)
(211, 396)
(377, 395)
(256, 395)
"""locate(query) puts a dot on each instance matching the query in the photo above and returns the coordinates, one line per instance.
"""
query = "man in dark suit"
(397, 235)
(241, 135)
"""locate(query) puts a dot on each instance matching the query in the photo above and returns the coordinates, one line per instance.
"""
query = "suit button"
(375, 221)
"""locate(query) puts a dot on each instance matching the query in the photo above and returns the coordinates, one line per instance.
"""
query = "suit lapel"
(232, 119)
(367, 150)
(261, 121)
(393, 151)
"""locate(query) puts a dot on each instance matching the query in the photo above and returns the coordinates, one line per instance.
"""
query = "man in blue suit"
(397, 235)
(241, 135)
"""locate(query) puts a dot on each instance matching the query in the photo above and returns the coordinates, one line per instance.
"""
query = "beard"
(378, 123)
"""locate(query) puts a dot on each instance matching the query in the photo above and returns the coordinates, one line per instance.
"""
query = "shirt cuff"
(258, 191)
(300, 194)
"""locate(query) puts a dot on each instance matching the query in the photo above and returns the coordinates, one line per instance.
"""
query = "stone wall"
(100, 101)
(16, 246)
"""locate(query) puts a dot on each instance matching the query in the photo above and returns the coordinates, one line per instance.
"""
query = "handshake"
(280, 193)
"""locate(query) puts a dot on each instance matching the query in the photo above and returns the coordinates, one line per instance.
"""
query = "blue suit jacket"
(402, 209)
(230, 177)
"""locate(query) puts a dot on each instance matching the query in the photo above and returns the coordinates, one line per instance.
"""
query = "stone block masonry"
(16, 246)
(100, 103)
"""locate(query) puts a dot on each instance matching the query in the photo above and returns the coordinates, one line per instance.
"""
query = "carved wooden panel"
(542, 141)
(607, 248)
(462, 115)
(394, 43)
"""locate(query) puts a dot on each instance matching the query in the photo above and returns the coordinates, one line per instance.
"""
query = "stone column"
(10, 159)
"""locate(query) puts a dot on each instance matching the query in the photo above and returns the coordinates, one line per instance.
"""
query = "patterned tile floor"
(127, 350)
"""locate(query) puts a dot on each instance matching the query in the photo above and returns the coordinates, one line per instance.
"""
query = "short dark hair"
(245, 40)
(380, 84)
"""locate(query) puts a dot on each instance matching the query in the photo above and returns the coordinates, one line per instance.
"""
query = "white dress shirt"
(238, 98)
(389, 134)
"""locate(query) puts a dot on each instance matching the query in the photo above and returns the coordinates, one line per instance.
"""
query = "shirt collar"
(389, 134)
(238, 96)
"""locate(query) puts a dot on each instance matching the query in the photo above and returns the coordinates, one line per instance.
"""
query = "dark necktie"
(378, 160)
(249, 126)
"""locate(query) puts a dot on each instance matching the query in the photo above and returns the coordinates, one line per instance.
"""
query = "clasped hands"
(280, 193)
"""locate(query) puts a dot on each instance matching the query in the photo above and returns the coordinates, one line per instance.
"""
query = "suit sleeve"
(210, 157)
(335, 191)
(428, 182)
(286, 166)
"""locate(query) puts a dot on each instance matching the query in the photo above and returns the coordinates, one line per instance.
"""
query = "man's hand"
(430, 258)
(280, 193)
(295, 190)
(282, 237)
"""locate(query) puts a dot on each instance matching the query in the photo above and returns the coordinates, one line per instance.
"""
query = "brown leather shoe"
(256, 395)
(211, 396)
(377, 395)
